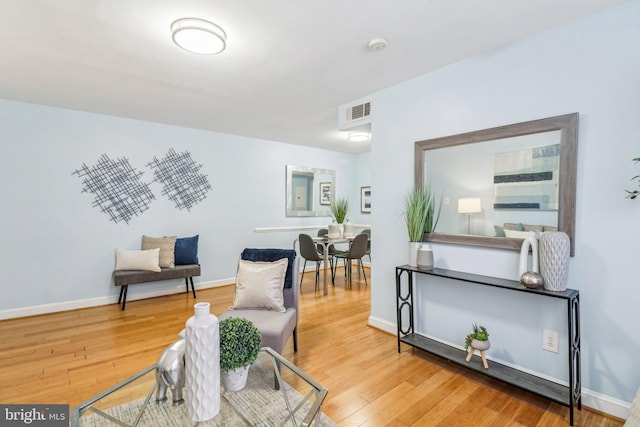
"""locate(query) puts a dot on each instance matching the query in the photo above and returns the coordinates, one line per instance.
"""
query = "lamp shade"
(469, 205)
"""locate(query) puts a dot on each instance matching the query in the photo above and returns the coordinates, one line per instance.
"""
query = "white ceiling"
(288, 66)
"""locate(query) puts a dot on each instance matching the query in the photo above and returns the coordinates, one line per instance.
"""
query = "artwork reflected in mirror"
(498, 184)
(309, 191)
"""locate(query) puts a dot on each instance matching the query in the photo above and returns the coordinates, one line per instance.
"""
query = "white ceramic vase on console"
(555, 247)
(413, 253)
(202, 364)
(425, 257)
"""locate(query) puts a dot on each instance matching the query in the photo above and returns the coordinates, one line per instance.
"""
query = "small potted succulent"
(478, 340)
(240, 342)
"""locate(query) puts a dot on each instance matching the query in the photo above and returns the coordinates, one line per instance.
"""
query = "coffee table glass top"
(296, 402)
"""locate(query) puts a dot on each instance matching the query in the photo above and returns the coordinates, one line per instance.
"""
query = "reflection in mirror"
(309, 191)
(497, 184)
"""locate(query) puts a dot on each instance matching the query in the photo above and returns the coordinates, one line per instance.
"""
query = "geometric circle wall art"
(181, 179)
(116, 187)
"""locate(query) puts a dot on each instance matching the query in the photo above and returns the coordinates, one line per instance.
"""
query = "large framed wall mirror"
(497, 184)
(309, 191)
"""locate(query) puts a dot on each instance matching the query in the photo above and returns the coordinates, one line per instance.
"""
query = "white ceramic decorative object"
(334, 231)
(348, 230)
(532, 242)
(235, 380)
(202, 364)
(413, 253)
(425, 257)
(554, 260)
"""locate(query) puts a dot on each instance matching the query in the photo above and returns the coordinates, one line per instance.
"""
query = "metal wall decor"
(181, 179)
(117, 188)
(119, 191)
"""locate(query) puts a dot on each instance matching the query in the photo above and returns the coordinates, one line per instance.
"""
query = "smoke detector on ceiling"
(376, 45)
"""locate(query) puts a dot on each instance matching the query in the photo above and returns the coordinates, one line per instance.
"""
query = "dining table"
(326, 243)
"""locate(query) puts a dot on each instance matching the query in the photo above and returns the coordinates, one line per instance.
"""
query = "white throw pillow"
(517, 234)
(148, 260)
(259, 285)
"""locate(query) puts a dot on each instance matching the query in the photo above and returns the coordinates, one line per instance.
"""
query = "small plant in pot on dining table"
(240, 342)
(339, 210)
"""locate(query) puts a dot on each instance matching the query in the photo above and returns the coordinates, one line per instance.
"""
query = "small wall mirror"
(497, 184)
(309, 191)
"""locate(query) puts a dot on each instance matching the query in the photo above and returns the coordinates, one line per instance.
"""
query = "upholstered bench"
(124, 278)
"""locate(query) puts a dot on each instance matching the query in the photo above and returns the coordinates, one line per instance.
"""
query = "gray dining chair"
(367, 231)
(357, 250)
(309, 252)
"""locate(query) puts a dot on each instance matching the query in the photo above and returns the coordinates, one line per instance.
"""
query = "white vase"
(554, 260)
(425, 257)
(202, 364)
(341, 229)
(413, 253)
(235, 380)
(334, 231)
(348, 230)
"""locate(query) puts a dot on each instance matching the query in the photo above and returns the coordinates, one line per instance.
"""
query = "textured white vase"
(413, 253)
(235, 380)
(554, 260)
(202, 364)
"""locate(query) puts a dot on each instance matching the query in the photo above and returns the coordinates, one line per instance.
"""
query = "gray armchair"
(275, 327)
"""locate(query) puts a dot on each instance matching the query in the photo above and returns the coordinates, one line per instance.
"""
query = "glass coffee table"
(277, 394)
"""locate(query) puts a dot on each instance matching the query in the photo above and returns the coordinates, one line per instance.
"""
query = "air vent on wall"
(358, 112)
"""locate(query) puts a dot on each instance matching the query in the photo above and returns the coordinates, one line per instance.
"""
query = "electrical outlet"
(446, 200)
(550, 341)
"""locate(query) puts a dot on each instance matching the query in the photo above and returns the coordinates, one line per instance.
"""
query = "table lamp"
(468, 206)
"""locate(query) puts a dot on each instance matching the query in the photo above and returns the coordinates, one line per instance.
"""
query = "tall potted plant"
(339, 211)
(421, 216)
(240, 342)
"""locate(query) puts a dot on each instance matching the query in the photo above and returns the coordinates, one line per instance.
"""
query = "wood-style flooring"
(70, 356)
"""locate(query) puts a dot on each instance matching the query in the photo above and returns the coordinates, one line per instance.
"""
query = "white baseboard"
(599, 402)
(132, 295)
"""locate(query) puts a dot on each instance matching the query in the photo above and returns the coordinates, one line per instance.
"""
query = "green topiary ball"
(240, 342)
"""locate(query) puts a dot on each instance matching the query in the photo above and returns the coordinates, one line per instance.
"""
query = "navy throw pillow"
(186, 251)
(271, 255)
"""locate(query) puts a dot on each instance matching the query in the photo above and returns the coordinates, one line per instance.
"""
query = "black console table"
(568, 396)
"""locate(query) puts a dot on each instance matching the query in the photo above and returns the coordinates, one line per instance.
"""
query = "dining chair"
(309, 252)
(323, 232)
(357, 250)
(367, 231)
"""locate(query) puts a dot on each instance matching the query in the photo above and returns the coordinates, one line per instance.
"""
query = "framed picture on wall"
(325, 193)
(365, 199)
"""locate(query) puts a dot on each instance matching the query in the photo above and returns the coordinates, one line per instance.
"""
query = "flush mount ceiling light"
(358, 136)
(199, 36)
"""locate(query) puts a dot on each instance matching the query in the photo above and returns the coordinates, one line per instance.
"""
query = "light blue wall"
(591, 67)
(57, 248)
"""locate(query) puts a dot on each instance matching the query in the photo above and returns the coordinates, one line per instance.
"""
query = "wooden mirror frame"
(567, 124)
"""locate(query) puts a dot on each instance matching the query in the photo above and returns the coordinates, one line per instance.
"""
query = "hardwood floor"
(70, 356)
